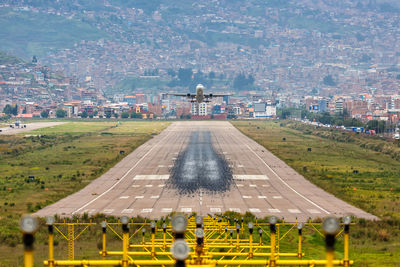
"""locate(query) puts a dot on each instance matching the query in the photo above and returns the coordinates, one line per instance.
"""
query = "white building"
(264, 110)
(200, 109)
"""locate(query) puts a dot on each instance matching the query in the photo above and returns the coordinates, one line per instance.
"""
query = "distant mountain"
(283, 44)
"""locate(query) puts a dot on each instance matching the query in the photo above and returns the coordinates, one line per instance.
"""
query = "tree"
(135, 115)
(211, 75)
(125, 115)
(378, 126)
(185, 76)
(84, 114)
(34, 60)
(60, 113)
(241, 81)
(328, 80)
(171, 72)
(44, 114)
(11, 110)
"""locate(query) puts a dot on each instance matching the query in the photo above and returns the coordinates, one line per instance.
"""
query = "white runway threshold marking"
(215, 210)
(147, 210)
(250, 177)
(186, 209)
(108, 211)
(127, 211)
(285, 183)
(254, 210)
(151, 177)
(294, 211)
(234, 210)
(167, 210)
(274, 210)
(124, 176)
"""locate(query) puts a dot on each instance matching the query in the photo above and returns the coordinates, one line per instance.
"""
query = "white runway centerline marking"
(135, 185)
(239, 185)
(250, 177)
(148, 185)
(139, 197)
(247, 197)
(151, 177)
(154, 196)
(161, 185)
(124, 197)
(277, 197)
(252, 185)
(262, 197)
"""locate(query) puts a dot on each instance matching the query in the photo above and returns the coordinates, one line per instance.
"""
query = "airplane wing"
(216, 95)
(185, 95)
(180, 94)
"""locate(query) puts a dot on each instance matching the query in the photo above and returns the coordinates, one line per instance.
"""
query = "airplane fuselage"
(199, 95)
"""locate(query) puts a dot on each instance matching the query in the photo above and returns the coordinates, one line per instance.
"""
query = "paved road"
(29, 127)
(258, 182)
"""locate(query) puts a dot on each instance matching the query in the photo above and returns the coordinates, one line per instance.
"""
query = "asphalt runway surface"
(206, 167)
(29, 127)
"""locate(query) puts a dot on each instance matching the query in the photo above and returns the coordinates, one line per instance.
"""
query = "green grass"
(62, 159)
(330, 165)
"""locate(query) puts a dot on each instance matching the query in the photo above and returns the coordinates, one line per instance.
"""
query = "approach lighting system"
(273, 220)
(179, 223)
(50, 220)
(331, 226)
(28, 224)
(199, 233)
(152, 225)
(300, 226)
(199, 220)
(103, 224)
(250, 225)
(347, 220)
(180, 249)
(124, 220)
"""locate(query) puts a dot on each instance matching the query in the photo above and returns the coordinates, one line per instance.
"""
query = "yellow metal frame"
(220, 247)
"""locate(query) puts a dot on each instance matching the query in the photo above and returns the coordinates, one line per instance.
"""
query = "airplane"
(200, 97)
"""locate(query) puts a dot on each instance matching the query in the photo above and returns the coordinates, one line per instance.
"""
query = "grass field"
(67, 157)
(341, 164)
(55, 162)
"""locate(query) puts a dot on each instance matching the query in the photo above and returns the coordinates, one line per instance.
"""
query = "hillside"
(36, 33)
(7, 59)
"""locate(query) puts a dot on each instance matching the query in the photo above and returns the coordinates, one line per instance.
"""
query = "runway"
(29, 127)
(205, 167)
